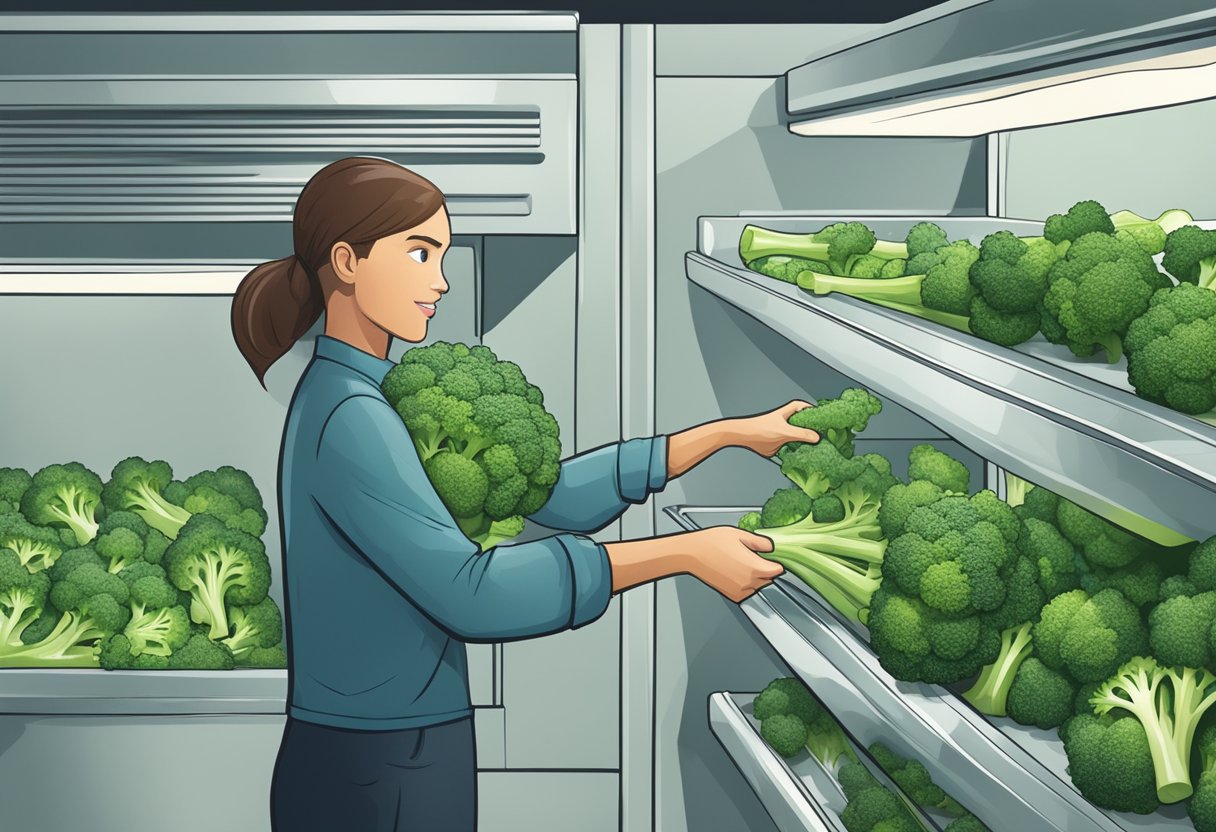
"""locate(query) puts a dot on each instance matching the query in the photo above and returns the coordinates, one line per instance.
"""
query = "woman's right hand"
(725, 558)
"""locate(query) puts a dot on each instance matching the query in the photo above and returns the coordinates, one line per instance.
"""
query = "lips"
(428, 309)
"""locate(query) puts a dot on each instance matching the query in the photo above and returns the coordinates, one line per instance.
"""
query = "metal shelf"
(1059, 423)
(83, 691)
(982, 767)
(794, 794)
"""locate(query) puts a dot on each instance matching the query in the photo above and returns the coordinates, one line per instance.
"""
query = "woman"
(381, 588)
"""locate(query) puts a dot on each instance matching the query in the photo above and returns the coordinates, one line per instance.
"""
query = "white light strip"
(1125, 88)
(121, 283)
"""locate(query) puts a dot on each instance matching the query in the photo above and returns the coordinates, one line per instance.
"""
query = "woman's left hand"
(767, 432)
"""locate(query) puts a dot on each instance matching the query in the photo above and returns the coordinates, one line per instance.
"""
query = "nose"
(440, 283)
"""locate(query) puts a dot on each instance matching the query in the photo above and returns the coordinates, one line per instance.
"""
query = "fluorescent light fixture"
(994, 106)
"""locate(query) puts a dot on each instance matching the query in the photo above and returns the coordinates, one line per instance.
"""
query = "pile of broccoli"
(792, 721)
(138, 572)
(489, 446)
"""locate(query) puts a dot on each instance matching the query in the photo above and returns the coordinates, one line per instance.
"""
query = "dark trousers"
(413, 780)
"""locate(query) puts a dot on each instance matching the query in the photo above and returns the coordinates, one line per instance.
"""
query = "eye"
(420, 255)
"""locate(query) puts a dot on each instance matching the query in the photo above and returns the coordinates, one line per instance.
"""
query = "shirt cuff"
(590, 578)
(642, 468)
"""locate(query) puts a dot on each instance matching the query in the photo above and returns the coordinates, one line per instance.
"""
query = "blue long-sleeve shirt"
(383, 590)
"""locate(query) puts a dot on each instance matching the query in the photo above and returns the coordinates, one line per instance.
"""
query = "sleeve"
(595, 488)
(373, 489)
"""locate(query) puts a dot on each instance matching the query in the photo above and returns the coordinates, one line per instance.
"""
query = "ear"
(343, 261)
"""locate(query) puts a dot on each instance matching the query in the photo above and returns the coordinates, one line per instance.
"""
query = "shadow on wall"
(860, 174)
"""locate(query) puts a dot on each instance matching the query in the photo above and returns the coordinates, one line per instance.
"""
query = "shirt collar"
(353, 357)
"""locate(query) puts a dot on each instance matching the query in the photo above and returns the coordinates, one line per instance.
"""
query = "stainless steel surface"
(980, 766)
(1091, 442)
(93, 692)
(984, 44)
(423, 21)
(795, 796)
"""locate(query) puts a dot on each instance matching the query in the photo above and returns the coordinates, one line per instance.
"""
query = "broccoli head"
(878, 809)
(136, 485)
(1202, 806)
(1089, 637)
(265, 657)
(1010, 279)
(65, 496)
(837, 245)
(37, 547)
(1151, 235)
(1094, 293)
(1052, 554)
(839, 420)
(1110, 762)
(124, 539)
(218, 566)
(926, 462)
(1180, 630)
(1041, 696)
(925, 238)
(13, 483)
(1172, 349)
(1190, 256)
(1100, 542)
(226, 493)
(1085, 217)
(913, 780)
(786, 709)
(786, 734)
(254, 626)
(201, 653)
(785, 268)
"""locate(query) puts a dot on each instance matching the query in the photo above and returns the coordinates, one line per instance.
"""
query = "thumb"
(769, 569)
(807, 435)
(756, 542)
(793, 407)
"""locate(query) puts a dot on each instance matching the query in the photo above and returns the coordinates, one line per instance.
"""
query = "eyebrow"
(425, 239)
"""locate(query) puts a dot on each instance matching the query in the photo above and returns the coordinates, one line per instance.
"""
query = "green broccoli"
(1171, 349)
(1190, 256)
(136, 485)
(1085, 217)
(786, 734)
(926, 462)
(1202, 806)
(1040, 696)
(490, 448)
(925, 238)
(1202, 567)
(201, 653)
(13, 484)
(839, 420)
(854, 778)
(37, 547)
(1094, 293)
(65, 496)
(839, 559)
(792, 719)
(1151, 235)
(786, 269)
(114, 652)
(72, 558)
(838, 245)
(158, 624)
(966, 823)
(1038, 503)
(226, 493)
(258, 625)
(265, 657)
(1180, 628)
(1016, 490)
(1090, 637)
(22, 597)
(913, 780)
(1100, 542)
(1052, 554)
(869, 267)
(783, 696)
(218, 565)
(1174, 586)
(124, 539)
(1010, 280)
(1168, 703)
(878, 809)
(941, 293)
(1110, 762)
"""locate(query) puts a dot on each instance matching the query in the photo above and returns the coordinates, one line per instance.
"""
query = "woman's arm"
(764, 433)
(725, 558)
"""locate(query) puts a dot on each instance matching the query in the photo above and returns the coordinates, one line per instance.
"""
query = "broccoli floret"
(750, 522)
(136, 485)
(872, 268)
(913, 780)
(1101, 543)
(840, 419)
(71, 559)
(1168, 703)
(1171, 349)
(901, 501)
(854, 778)
(1040, 696)
(124, 539)
(1110, 762)
(1174, 586)
(65, 496)
(491, 450)
(785, 268)
(1090, 637)
(37, 547)
(838, 245)
(201, 653)
(265, 657)
(228, 494)
(1150, 235)
(1180, 630)
(114, 653)
(782, 696)
(1039, 503)
(941, 293)
(1202, 567)
(786, 734)
(13, 484)
(22, 597)
(1085, 217)
(1202, 806)
(786, 506)
(966, 823)
(925, 238)
(878, 808)
(217, 565)
(1096, 291)
(821, 734)
(1053, 556)
(1190, 256)
(253, 627)
(1010, 279)
(926, 462)
(1139, 582)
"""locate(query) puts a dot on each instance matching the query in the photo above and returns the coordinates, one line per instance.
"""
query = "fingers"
(768, 571)
(755, 542)
(793, 407)
(807, 435)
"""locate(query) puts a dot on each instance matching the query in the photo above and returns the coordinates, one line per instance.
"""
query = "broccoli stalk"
(1169, 703)
(990, 692)
(838, 245)
(1016, 489)
(1151, 235)
(135, 485)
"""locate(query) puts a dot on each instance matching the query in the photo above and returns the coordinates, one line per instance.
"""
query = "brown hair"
(356, 201)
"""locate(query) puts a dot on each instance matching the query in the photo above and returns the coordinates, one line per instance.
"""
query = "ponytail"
(274, 305)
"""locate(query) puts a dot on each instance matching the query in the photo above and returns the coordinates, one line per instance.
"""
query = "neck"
(345, 322)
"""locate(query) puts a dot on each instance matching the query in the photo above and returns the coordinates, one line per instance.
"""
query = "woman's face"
(399, 283)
